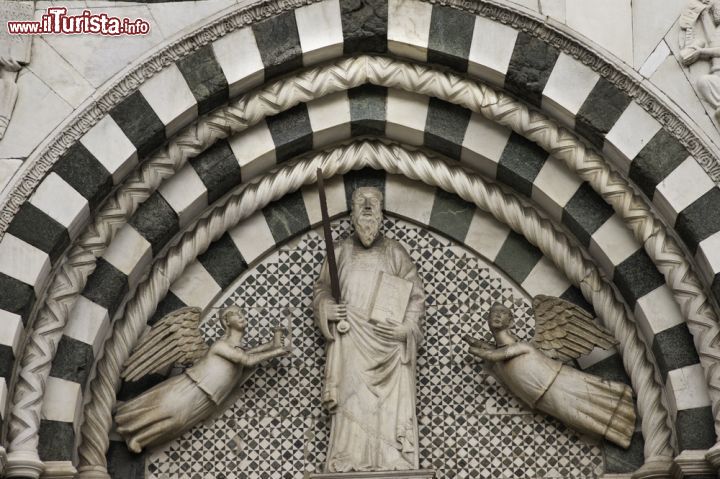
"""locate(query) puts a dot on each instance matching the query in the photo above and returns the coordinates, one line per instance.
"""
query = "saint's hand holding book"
(389, 303)
(390, 299)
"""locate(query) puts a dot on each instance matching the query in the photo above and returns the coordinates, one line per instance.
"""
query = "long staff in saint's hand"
(329, 245)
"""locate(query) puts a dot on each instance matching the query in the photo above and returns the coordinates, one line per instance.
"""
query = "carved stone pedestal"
(658, 467)
(713, 455)
(416, 474)
(93, 472)
(25, 464)
(694, 464)
(59, 470)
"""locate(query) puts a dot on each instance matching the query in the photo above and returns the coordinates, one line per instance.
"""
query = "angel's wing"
(565, 331)
(174, 339)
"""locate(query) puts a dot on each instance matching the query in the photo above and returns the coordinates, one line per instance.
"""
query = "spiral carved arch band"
(316, 83)
(507, 208)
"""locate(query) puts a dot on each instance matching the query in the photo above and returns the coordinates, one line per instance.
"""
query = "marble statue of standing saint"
(372, 339)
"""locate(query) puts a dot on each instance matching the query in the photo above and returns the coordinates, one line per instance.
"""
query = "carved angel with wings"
(180, 402)
(535, 371)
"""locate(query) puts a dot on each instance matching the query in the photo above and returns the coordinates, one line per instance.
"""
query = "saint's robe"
(369, 381)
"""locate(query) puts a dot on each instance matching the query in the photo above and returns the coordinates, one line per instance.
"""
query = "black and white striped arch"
(521, 64)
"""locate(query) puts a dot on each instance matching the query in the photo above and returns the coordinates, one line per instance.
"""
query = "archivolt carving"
(661, 247)
(507, 208)
(624, 79)
(80, 263)
(315, 83)
(38, 165)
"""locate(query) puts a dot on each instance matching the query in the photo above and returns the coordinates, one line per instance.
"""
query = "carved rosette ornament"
(14, 54)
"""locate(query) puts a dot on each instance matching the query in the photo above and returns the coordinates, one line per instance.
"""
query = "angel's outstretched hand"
(478, 343)
(283, 351)
(278, 344)
(279, 335)
(481, 353)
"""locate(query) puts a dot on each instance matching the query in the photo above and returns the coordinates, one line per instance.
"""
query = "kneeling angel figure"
(535, 373)
(177, 404)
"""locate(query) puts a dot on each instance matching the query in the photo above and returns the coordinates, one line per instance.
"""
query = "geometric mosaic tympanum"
(469, 425)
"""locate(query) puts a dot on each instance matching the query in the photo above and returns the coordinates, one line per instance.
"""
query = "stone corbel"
(14, 54)
(59, 470)
(693, 464)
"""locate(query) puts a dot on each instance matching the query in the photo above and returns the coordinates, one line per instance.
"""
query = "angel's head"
(499, 318)
(715, 10)
(233, 318)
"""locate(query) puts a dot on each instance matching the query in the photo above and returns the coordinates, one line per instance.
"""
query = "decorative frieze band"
(380, 71)
(507, 208)
(47, 155)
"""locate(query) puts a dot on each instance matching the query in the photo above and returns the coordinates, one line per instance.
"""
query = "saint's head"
(367, 214)
(232, 318)
(499, 318)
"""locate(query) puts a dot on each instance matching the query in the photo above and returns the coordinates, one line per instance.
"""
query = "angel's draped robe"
(369, 381)
(587, 403)
(175, 405)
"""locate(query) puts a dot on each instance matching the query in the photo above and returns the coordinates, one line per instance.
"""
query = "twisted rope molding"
(662, 248)
(68, 283)
(37, 166)
(625, 79)
(270, 100)
(505, 207)
(81, 260)
(40, 163)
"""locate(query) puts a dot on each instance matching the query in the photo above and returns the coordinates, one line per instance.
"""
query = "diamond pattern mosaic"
(470, 427)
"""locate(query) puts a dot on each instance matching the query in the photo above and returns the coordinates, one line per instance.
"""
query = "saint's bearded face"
(367, 214)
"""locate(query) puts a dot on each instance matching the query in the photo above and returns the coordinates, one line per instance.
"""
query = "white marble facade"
(118, 146)
(641, 34)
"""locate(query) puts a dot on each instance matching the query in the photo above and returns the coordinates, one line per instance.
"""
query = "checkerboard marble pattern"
(653, 156)
(469, 425)
(524, 65)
